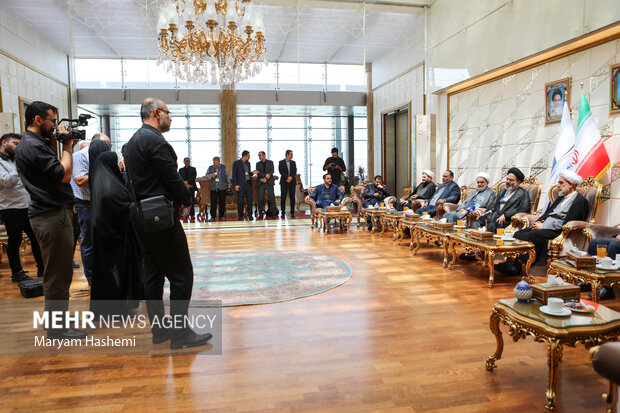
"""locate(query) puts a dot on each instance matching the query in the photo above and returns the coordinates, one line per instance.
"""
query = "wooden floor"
(404, 334)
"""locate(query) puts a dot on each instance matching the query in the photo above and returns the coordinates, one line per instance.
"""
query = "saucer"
(505, 238)
(612, 267)
(460, 226)
(498, 236)
(563, 313)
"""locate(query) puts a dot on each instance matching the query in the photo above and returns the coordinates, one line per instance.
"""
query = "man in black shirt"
(188, 173)
(51, 212)
(152, 169)
(334, 166)
(288, 171)
(266, 182)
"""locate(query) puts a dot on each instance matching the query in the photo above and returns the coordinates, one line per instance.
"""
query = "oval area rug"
(248, 277)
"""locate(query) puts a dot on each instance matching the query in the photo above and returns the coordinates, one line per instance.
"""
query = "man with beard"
(334, 165)
(374, 194)
(188, 173)
(448, 191)
(570, 206)
(510, 201)
(14, 201)
(424, 190)
(266, 182)
(481, 197)
(46, 179)
(152, 169)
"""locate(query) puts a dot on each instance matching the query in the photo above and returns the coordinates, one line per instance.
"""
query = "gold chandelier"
(211, 41)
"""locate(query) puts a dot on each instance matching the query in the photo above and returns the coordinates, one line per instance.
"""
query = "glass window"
(205, 134)
(129, 122)
(212, 122)
(287, 122)
(176, 135)
(252, 134)
(254, 147)
(98, 73)
(322, 122)
(345, 77)
(252, 122)
(288, 134)
(181, 149)
(202, 155)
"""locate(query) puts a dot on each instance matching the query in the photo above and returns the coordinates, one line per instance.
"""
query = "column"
(370, 122)
(228, 116)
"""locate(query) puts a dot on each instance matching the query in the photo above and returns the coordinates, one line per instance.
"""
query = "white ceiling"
(329, 31)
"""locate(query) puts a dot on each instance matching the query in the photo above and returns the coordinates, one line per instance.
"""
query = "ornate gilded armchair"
(346, 201)
(451, 207)
(203, 198)
(531, 184)
(572, 235)
(357, 200)
(300, 192)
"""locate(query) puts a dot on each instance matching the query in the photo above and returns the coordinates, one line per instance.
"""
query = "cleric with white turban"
(424, 191)
(481, 197)
(572, 177)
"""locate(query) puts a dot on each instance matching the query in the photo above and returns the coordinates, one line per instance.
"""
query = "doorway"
(396, 151)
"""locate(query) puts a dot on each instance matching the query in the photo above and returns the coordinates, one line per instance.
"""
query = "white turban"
(428, 172)
(484, 176)
(572, 177)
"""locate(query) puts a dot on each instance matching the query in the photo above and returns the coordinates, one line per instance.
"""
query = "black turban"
(517, 172)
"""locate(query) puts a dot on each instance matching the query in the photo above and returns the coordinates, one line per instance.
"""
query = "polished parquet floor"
(402, 335)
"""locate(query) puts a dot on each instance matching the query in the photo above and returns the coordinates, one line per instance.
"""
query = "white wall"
(18, 80)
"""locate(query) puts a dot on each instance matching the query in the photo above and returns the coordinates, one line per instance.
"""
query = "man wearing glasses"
(46, 179)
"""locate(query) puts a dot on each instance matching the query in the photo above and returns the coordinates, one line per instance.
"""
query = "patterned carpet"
(248, 277)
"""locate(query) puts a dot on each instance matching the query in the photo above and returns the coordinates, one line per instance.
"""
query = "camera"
(73, 125)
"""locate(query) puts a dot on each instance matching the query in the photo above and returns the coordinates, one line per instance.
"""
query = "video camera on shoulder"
(73, 125)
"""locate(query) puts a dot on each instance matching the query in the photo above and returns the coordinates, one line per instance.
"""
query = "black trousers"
(540, 238)
(165, 254)
(218, 197)
(245, 191)
(16, 221)
(287, 188)
(192, 212)
(262, 188)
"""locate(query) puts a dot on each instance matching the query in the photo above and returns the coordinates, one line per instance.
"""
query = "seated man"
(374, 194)
(424, 190)
(509, 201)
(482, 197)
(570, 206)
(613, 249)
(326, 194)
(448, 191)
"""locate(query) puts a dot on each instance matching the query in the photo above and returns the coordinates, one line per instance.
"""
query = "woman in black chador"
(116, 273)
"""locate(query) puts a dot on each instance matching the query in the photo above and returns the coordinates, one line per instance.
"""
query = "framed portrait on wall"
(614, 90)
(23, 104)
(554, 99)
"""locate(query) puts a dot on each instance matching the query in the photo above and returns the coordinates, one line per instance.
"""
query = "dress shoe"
(212, 220)
(293, 215)
(69, 333)
(161, 335)
(283, 215)
(76, 265)
(467, 257)
(20, 276)
(188, 338)
(607, 293)
(584, 287)
(508, 268)
(222, 218)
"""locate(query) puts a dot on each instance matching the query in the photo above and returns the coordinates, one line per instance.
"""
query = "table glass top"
(603, 315)
(597, 270)
(491, 242)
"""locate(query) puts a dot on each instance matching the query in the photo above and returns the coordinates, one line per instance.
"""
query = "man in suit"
(326, 193)
(188, 173)
(424, 190)
(152, 167)
(448, 191)
(266, 181)
(570, 206)
(374, 194)
(288, 171)
(242, 180)
(218, 185)
(511, 200)
(481, 197)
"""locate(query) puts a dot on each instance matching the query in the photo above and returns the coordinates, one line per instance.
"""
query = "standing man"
(81, 191)
(14, 201)
(152, 169)
(188, 173)
(219, 184)
(266, 181)
(242, 180)
(46, 179)
(288, 170)
(448, 191)
(334, 167)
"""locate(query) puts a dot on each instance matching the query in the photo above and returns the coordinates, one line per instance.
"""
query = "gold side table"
(345, 218)
(390, 219)
(596, 277)
(409, 223)
(373, 214)
(428, 231)
(486, 250)
(527, 320)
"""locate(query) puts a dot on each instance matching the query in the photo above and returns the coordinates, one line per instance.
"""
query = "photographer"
(334, 166)
(47, 181)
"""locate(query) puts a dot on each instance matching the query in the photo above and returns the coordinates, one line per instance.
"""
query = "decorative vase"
(523, 291)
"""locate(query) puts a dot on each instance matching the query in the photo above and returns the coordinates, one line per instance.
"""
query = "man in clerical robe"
(424, 190)
(481, 197)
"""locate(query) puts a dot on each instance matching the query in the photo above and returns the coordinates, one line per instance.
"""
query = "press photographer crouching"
(46, 179)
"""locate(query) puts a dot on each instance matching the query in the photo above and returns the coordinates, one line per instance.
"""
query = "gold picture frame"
(23, 104)
(553, 108)
(614, 89)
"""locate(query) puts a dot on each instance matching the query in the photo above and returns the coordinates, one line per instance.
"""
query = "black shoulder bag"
(155, 213)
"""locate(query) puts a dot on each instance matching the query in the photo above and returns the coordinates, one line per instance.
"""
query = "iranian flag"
(590, 157)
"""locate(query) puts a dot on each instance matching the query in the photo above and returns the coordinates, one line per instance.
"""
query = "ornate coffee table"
(409, 223)
(372, 214)
(596, 277)
(344, 216)
(526, 320)
(391, 218)
(428, 231)
(489, 249)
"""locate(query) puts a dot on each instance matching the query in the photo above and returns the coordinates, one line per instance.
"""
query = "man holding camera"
(334, 165)
(46, 179)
